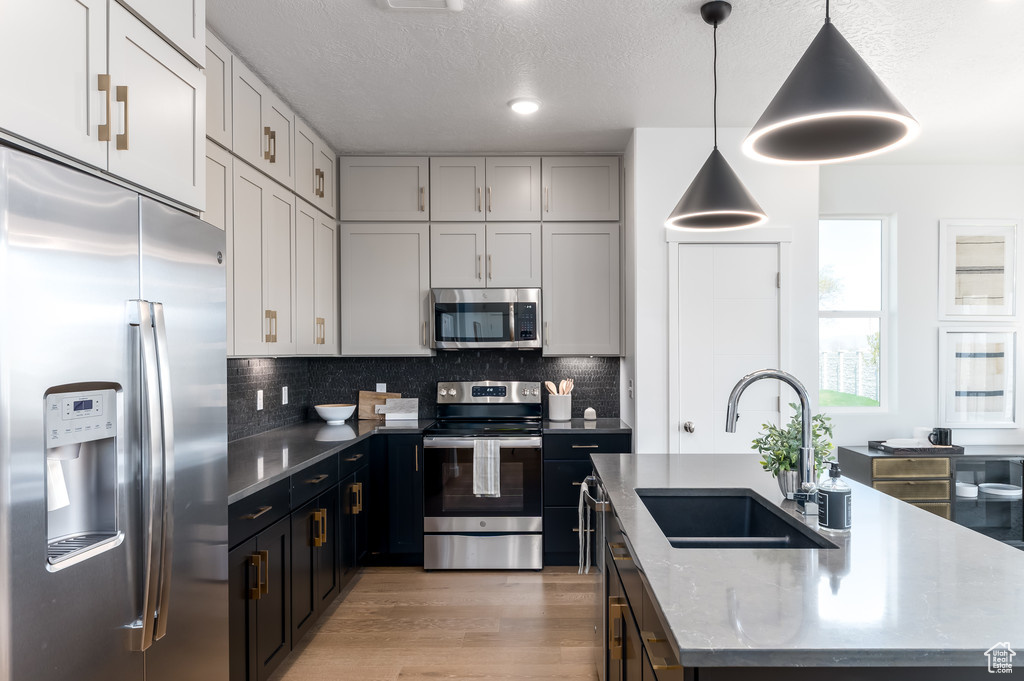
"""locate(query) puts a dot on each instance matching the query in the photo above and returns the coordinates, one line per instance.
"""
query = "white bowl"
(335, 414)
(966, 489)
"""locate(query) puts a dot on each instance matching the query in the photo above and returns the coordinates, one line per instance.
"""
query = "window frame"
(883, 314)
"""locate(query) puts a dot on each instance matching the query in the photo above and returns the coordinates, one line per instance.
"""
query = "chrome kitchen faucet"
(807, 496)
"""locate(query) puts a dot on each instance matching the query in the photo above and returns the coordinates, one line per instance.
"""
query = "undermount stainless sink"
(726, 518)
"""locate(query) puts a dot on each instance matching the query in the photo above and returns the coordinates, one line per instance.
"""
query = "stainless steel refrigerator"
(113, 439)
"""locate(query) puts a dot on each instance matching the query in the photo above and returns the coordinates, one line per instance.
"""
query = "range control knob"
(444, 392)
(526, 391)
(536, 391)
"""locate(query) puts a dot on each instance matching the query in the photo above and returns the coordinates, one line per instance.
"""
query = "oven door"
(472, 318)
(449, 503)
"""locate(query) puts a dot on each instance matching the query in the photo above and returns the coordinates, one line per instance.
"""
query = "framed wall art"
(977, 270)
(978, 377)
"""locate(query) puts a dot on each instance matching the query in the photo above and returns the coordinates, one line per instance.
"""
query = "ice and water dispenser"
(84, 440)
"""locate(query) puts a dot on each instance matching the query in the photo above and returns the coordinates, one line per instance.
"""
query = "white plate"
(966, 489)
(1000, 489)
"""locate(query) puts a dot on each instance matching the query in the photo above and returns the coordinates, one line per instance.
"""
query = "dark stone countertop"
(904, 587)
(256, 462)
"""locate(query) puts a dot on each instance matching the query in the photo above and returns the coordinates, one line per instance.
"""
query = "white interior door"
(728, 326)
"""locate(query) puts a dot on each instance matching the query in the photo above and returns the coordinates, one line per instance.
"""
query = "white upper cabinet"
(513, 255)
(181, 22)
(513, 188)
(581, 289)
(384, 188)
(457, 255)
(261, 253)
(159, 99)
(137, 114)
(53, 52)
(581, 188)
(385, 289)
(316, 282)
(457, 189)
(314, 169)
(218, 91)
(262, 125)
(219, 182)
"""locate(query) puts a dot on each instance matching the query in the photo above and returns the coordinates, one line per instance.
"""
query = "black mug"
(941, 437)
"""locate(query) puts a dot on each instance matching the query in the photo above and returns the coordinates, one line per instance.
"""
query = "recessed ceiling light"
(524, 105)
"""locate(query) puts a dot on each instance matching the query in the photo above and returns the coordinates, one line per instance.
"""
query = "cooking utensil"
(561, 386)
(551, 387)
(572, 384)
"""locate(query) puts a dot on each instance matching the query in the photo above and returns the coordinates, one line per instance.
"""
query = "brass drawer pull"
(616, 605)
(103, 131)
(355, 458)
(660, 664)
(121, 94)
(265, 584)
(257, 514)
(585, 446)
(651, 637)
(254, 562)
(318, 533)
(318, 479)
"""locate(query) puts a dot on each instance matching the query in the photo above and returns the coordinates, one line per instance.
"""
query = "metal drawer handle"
(257, 514)
(651, 637)
(576, 529)
(103, 131)
(616, 605)
(585, 446)
(318, 534)
(121, 94)
(254, 562)
(318, 479)
(660, 664)
(619, 546)
(354, 458)
(265, 584)
(478, 209)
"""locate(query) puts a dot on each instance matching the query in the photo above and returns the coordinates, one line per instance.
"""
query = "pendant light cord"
(714, 70)
(828, 18)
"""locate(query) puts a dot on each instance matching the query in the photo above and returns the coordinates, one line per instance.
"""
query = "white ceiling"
(377, 81)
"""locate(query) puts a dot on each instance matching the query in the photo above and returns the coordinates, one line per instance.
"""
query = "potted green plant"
(780, 448)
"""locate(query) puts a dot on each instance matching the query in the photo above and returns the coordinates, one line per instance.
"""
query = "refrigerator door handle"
(152, 444)
(167, 427)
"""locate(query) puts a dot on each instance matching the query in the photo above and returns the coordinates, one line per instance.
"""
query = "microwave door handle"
(167, 421)
(512, 322)
(151, 445)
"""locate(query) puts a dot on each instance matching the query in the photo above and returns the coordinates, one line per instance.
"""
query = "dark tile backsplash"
(331, 380)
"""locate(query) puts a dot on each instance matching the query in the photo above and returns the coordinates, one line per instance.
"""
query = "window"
(852, 312)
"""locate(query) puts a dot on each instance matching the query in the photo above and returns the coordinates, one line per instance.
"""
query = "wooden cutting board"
(368, 399)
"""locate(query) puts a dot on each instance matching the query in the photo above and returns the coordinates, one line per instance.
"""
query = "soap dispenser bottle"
(834, 502)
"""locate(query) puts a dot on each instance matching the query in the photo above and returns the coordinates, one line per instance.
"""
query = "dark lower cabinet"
(316, 559)
(260, 608)
(353, 528)
(396, 520)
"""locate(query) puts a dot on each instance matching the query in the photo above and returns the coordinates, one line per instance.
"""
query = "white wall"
(627, 367)
(918, 196)
(662, 162)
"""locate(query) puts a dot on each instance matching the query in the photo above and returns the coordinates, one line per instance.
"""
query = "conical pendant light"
(831, 108)
(716, 199)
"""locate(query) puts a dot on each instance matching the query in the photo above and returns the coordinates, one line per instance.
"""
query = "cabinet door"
(307, 329)
(261, 126)
(159, 113)
(346, 529)
(219, 180)
(362, 516)
(581, 289)
(247, 325)
(457, 255)
(53, 52)
(326, 161)
(281, 121)
(405, 493)
(513, 255)
(581, 188)
(278, 267)
(384, 188)
(325, 286)
(181, 22)
(218, 91)
(243, 578)
(457, 189)
(385, 286)
(273, 610)
(305, 529)
(307, 179)
(328, 556)
(513, 188)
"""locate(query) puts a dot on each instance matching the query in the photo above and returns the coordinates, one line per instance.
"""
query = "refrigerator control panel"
(79, 417)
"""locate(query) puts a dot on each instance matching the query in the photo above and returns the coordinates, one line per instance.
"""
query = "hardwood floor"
(404, 623)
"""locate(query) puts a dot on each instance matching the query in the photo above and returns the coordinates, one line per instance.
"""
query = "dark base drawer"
(258, 511)
(580, 445)
(561, 537)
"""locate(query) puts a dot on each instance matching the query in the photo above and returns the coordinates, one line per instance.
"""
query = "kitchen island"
(903, 589)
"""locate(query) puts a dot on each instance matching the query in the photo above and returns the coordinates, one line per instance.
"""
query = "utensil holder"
(559, 407)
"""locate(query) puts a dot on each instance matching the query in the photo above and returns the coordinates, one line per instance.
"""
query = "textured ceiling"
(373, 80)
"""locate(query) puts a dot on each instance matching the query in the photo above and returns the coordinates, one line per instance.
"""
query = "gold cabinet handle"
(122, 96)
(359, 497)
(265, 584)
(547, 335)
(266, 135)
(257, 514)
(103, 131)
(423, 202)
(321, 331)
(271, 316)
(479, 265)
(585, 447)
(547, 200)
(315, 528)
(490, 208)
(490, 267)
(355, 458)
(660, 664)
(416, 457)
(273, 143)
(619, 546)
(478, 208)
(616, 606)
(254, 562)
(426, 336)
(318, 479)
(651, 637)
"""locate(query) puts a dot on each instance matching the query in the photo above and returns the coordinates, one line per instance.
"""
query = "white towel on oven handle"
(487, 468)
(584, 530)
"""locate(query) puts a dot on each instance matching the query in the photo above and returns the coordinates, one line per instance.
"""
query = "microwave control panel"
(526, 321)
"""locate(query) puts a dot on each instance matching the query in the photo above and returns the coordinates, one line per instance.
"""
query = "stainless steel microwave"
(477, 318)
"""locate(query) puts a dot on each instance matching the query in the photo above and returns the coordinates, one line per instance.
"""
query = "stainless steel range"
(483, 477)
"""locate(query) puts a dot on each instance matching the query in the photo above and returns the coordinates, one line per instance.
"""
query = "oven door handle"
(467, 442)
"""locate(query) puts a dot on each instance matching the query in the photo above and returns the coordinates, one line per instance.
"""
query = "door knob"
(689, 427)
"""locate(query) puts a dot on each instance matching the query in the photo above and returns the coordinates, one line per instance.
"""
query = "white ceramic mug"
(559, 407)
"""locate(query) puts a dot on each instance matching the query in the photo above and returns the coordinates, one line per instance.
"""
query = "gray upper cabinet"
(218, 91)
(314, 169)
(457, 189)
(581, 289)
(513, 188)
(457, 255)
(262, 125)
(581, 188)
(385, 188)
(513, 255)
(502, 255)
(181, 22)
